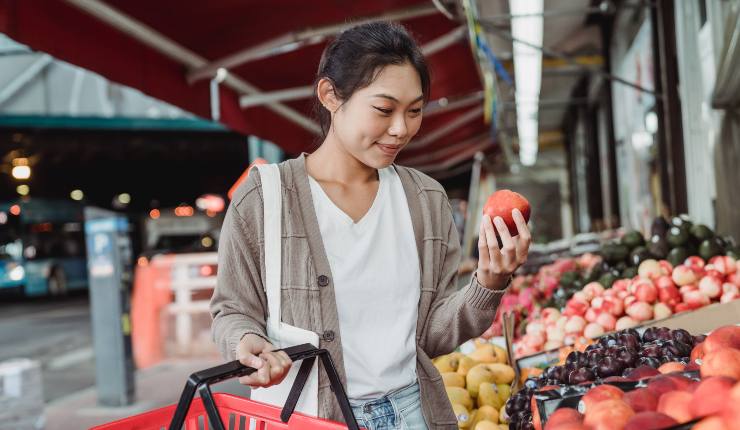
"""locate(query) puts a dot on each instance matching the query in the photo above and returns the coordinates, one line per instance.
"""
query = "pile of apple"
(658, 291)
(668, 399)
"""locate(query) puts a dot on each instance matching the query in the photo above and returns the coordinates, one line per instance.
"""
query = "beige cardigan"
(447, 317)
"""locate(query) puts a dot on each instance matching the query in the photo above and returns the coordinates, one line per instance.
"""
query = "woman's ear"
(326, 95)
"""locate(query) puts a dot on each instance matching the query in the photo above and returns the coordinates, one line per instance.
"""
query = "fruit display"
(478, 385)
(658, 291)
(707, 397)
(625, 355)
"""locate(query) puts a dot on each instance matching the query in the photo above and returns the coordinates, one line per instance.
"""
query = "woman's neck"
(332, 163)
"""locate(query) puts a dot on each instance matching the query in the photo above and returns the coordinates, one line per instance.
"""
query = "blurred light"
(207, 242)
(124, 198)
(221, 74)
(15, 210)
(154, 214)
(142, 262)
(21, 172)
(184, 210)
(30, 252)
(23, 189)
(77, 195)
(651, 122)
(3, 217)
(206, 271)
(210, 213)
(17, 273)
(527, 72)
(210, 202)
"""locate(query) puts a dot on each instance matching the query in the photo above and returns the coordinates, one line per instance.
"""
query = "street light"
(23, 189)
(77, 195)
(21, 169)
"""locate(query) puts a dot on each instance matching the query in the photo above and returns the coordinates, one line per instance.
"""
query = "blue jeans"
(399, 410)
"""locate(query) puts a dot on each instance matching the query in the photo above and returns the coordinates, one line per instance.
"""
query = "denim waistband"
(402, 398)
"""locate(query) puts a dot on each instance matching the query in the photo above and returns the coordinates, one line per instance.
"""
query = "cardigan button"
(323, 280)
(328, 336)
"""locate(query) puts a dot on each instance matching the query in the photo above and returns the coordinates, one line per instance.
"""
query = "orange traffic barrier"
(150, 296)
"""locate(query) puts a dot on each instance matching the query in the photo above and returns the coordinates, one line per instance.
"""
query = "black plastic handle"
(201, 381)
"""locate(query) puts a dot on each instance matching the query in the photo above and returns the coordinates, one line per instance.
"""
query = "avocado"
(677, 256)
(632, 239)
(701, 232)
(613, 253)
(607, 279)
(629, 273)
(660, 226)
(734, 253)
(638, 255)
(658, 246)
(710, 248)
(677, 237)
(567, 278)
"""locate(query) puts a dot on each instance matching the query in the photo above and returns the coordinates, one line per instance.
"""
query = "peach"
(607, 321)
(575, 307)
(563, 416)
(666, 383)
(649, 420)
(593, 289)
(728, 297)
(593, 330)
(597, 395)
(646, 292)
(697, 352)
(582, 296)
(711, 286)
(683, 275)
(675, 404)
(613, 305)
(650, 269)
(575, 325)
(726, 265)
(723, 362)
(731, 414)
(625, 323)
(729, 287)
(695, 299)
(727, 336)
(710, 396)
(667, 266)
(642, 372)
(671, 366)
(641, 400)
(629, 300)
(661, 311)
(640, 311)
(612, 414)
(592, 313)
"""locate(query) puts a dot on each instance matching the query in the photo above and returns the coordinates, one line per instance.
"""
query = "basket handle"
(201, 381)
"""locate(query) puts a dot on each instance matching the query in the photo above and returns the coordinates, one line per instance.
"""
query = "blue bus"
(42, 247)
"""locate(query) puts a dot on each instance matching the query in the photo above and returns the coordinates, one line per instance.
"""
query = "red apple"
(502, 202)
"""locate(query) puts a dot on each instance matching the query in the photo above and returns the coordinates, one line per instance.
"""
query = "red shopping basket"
(211, 411)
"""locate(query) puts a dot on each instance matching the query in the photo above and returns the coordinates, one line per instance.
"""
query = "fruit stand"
(616, 338)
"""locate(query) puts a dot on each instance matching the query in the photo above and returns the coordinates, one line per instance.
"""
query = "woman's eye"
(384, 111)
(415, 111)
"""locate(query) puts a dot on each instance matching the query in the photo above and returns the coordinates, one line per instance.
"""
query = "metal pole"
(472, 198)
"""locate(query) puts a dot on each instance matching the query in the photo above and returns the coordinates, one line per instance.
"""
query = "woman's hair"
(353, 60)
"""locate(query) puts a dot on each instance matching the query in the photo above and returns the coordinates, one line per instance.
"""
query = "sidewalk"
(157, 386)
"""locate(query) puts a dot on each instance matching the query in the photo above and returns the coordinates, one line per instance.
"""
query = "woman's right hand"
(272, 367)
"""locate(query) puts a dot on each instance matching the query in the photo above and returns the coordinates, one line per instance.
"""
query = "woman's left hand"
(495, 265)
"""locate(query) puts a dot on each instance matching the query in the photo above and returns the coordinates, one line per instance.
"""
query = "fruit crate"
(210, 411)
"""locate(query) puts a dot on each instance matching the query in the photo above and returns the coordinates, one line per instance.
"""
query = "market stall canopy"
(264, 54)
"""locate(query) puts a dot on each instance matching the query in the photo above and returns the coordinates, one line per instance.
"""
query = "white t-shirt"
(377, 283)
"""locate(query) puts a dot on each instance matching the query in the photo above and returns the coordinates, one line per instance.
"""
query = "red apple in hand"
(501, 203)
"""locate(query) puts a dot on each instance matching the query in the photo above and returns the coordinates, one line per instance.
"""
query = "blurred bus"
(42, 247)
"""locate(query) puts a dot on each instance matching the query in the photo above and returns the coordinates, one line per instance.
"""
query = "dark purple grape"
(699, 339)
(509, 408)
(527, 425)
(629, 340)
(581, 375)
(651, 351)
(592, 347)
(664, 333)
(634, 333)
(609, 366)
(682, 335)
(593, 358)
(531, 383)
(627, 357)
(649, 361)
(650, 334)
(554, 372)
(577, 359)
(627, 371)
(677, 348)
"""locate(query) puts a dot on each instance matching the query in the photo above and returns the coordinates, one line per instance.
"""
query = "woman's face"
(378, 121)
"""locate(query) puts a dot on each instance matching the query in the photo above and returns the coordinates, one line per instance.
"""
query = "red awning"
(167, 49)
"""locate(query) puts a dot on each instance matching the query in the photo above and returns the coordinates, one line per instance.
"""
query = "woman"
(370, 249)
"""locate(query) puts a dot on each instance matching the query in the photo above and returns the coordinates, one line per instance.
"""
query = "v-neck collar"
(374, 207)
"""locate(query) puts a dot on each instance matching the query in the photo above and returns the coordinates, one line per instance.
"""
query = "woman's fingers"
(525, 237)
(491, 242)
(484, 258)
(508, 249)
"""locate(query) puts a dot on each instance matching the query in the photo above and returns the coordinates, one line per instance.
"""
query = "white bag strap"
(272, 199)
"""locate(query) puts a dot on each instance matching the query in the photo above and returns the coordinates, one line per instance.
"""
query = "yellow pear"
(477, 375)
(448, 363)
(484, 353)
(503, 427)
(460, 396)
(502, 373)
(453, 379)
(503, 417)
(486, 425)
(485, 413)
(466, 363)
(488, 395)
(501, 356)
(504, 392)
(463, 416)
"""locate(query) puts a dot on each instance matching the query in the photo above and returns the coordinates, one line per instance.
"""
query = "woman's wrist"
(492, 282)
